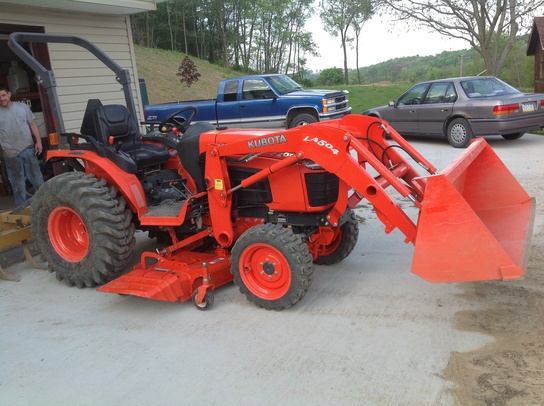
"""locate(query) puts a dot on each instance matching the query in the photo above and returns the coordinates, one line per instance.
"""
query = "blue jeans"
(18, 169)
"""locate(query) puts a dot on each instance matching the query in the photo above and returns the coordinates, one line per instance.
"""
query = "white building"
(80, 76)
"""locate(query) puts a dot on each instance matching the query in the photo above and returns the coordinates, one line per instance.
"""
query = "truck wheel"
(459, 133)
(303, 119)
(343, 243)
(82, 228)
(272, 266)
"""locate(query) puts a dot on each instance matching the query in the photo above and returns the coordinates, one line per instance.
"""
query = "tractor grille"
(256, 194)
(322, 188)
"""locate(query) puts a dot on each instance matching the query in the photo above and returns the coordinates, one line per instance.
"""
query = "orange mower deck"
(174, 279)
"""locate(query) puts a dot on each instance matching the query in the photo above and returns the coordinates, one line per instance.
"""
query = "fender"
(128, 185)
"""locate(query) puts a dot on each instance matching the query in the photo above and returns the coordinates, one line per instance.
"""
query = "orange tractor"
(261, 207)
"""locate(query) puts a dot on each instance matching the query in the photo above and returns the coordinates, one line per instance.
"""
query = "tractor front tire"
(272, 266)
(83, 229)
(343, 243)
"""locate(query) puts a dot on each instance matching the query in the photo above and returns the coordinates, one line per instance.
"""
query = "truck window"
(231, 91)
(254, 89)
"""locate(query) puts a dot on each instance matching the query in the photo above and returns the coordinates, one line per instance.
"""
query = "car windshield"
(284, 84)
(487, 87)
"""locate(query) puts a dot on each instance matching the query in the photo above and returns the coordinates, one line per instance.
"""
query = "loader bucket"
(476, 221)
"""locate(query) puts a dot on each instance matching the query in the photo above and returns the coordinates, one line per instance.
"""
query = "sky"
(377, 43)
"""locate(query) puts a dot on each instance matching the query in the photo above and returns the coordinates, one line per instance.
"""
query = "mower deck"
(174, 279)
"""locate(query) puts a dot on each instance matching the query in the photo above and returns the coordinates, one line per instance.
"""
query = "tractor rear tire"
(272, 266)
(83, 229)
(343, 243)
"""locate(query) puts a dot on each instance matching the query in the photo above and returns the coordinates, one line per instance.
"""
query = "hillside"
(159, 67)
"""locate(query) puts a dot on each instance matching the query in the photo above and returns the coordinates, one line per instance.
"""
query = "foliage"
(187, 72)
(261, 35)
(489, 27)
(331, 76)
(518, 68)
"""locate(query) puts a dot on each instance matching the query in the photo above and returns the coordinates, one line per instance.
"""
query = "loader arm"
(353, 148)
(474, 219)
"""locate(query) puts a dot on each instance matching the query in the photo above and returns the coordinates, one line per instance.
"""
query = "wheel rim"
(458, 133)
(265, 271)
(68, 234)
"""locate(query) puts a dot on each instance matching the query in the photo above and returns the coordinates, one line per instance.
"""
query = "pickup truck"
(263, 101)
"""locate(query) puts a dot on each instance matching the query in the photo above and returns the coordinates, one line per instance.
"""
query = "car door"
(437, 106)
(404, 118)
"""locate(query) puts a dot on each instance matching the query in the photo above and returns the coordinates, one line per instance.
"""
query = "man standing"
(17, 128)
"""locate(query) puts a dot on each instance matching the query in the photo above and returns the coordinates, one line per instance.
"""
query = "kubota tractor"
(260, 207)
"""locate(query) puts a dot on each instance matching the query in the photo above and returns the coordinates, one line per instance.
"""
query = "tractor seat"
(116, 126)
(189, 152)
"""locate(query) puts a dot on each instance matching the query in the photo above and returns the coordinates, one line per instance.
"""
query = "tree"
(366, 11)
(187, 72)
(250, 35)
(490, 27)
(330, 77)
(339, 16)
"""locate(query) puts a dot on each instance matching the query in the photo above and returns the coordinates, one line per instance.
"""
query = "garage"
(78, 74)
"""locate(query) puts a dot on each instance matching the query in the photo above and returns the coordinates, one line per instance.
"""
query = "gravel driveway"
(367, 333)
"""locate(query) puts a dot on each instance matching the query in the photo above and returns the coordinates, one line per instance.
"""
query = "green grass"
(159, 67)
(365, 97)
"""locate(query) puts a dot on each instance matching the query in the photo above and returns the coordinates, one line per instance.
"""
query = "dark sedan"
(463, 108)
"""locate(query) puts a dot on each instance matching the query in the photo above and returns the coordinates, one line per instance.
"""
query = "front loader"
(261, 207)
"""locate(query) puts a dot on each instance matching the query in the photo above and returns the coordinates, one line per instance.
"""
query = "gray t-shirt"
(15, 135)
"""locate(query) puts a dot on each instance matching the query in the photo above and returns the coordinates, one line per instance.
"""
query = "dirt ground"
(509, 371)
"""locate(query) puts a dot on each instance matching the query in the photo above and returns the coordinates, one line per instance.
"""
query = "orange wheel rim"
(265, 271)
(333, 246)
(68, 234)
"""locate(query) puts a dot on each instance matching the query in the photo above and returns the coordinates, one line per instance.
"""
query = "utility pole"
(463, 57)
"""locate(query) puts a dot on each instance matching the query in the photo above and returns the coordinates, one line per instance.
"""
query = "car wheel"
(459, 133)
(514, 136)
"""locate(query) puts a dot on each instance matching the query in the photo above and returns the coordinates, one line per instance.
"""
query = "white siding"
(80, 76)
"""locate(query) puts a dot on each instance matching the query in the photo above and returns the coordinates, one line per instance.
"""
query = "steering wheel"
(181, 123)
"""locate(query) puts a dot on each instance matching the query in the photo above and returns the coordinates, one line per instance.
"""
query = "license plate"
(527, 107)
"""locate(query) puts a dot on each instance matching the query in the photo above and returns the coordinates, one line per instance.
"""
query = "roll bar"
(46, 78)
